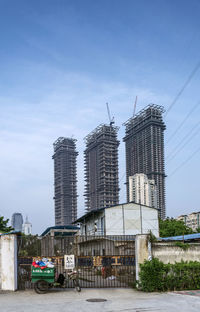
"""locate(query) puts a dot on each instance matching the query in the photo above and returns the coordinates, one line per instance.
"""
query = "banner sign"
(69, 262)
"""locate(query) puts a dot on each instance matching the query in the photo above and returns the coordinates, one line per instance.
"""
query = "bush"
(157, 276)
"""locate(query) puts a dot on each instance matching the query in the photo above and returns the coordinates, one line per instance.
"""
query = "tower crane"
(109, 116)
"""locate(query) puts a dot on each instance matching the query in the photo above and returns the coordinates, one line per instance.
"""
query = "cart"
(44, 279)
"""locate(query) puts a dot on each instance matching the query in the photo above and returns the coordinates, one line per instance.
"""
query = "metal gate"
(102, 261)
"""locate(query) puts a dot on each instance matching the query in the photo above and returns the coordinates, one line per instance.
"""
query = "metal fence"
(102, 261)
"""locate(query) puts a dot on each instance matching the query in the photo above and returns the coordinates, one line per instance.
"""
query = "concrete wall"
(0, 262)
(142, 251)
(131, 219)
(169, 253)
(8, 262)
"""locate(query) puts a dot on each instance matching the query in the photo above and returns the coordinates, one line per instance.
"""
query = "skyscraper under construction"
(65, 181)
(144, 141)
(101, 168)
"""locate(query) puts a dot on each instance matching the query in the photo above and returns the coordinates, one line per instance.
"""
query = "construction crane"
(134, 110)
(109, 116)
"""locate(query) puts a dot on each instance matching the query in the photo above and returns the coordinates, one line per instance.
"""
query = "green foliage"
(4, 228)
(182, 245)
(152, 237)
(157, 276)
(198, 230)
(152, 275)
(172, 227)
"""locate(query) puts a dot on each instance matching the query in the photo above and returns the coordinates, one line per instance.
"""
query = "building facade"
(144, 143)
(143, 190)
(101, 168)
(191, 220)
(17, 221)
(65, 180)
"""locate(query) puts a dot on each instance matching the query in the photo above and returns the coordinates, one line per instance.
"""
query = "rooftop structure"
(67, 230)
(65, 181)
(123, 219)
(144, 142)
(101, 167)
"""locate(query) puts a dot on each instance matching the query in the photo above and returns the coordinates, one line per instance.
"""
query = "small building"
(60, 230)
(57, 240)
(191, 220)
(122, 219)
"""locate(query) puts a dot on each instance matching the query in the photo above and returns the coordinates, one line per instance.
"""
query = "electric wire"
(122, 177)
(184, 138)
(183, 88)
(182, 123)
(185, 162)
(187, 141)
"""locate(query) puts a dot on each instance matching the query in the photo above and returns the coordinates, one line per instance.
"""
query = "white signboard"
(69, 262)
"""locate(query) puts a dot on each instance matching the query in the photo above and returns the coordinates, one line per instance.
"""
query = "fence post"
(142, 250)
(9, 262)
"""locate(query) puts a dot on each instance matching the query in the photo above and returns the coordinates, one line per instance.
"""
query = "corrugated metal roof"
(182, 237)
(9, 233)
(60, 227)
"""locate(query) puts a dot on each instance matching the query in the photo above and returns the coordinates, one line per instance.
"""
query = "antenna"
(111, 120)
(134, 110)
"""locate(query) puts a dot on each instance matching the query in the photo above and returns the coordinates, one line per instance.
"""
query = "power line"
(183, 163)
(182, 123)
(122, 177)
(183, 87)
(188, 141)
(177, 149)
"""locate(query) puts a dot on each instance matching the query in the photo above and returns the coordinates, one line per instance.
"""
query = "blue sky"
(61, 61)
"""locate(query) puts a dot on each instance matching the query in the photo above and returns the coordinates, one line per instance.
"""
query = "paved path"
(118, 300)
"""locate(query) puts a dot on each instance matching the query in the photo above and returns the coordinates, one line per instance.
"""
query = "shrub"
(157, 276)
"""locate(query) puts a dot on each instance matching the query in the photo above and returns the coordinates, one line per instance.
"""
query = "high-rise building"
(144, 142)
(101, 168)
(65, 180)
(143, 190)
(17, 221)
(27, 227)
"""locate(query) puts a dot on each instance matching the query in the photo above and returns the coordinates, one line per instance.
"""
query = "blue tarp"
(12, 232)
(181, 237)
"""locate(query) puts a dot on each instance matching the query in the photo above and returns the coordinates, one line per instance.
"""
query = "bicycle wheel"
(76, 285)
(41, 287)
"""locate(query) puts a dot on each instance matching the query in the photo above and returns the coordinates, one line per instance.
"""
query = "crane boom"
(111, 120)
(134, 110)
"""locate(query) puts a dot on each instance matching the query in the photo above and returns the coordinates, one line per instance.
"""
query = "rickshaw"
(45, 279)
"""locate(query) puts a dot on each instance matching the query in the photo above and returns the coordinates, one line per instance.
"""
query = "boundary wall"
(8, 262)
(167, 252)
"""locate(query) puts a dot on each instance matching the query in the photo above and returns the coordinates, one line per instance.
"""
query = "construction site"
(101, 167)
(144, 144)
(65, 180)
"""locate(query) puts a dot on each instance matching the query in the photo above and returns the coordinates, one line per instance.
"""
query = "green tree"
(172, 227)
(198, 230)
(4, 225)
